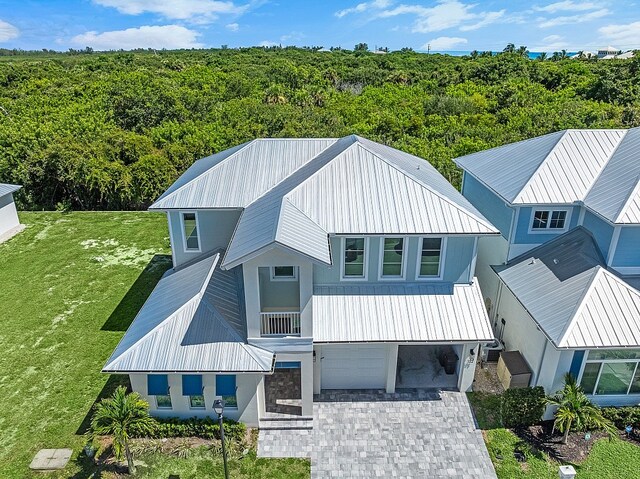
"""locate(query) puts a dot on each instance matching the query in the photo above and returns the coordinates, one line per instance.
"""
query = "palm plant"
(575, 411)
(118, 415)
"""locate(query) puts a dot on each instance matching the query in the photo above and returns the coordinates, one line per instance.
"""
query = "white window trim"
(197, 408)
(343, 240)
(586, 361)
(272, 270)
(184, 237)
(403, 266)
(548, 230)
(443, 253)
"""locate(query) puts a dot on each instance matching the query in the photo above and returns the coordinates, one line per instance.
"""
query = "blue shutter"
(157, 385)
(576, 363)
(225, 385)
(191, 385)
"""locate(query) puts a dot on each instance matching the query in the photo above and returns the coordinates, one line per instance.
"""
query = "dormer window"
(549, 220)
(190, 231)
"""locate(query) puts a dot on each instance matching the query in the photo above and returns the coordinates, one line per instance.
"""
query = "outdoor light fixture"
(218, 407)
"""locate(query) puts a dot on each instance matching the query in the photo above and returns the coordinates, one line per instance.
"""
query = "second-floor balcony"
(280, 323)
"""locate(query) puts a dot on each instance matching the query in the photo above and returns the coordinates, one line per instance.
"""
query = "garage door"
(354, 367)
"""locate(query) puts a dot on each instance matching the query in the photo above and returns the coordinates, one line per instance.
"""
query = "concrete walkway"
(411, 434)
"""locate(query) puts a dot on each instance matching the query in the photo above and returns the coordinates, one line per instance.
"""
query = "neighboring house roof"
(596, 167)
(433, 312)
(193, 321)
(575, 300)
(6, 188)
(350, 186)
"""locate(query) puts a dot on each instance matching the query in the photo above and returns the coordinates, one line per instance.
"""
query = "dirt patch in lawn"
(542, 438)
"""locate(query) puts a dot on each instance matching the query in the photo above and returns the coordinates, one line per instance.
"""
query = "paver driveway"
(413, 434)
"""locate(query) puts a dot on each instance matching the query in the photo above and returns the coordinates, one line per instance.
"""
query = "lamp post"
(218, 407)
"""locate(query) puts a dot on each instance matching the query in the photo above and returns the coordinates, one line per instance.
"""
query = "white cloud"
(444, 43)
(551, 43)
(364, 7)
(232, 27)
(573, 19)
(198, 10)
(624, 36)
(567, 6)
(166, 36)
(267, 43)
(7, 31)
(292, 37)
(445, 14)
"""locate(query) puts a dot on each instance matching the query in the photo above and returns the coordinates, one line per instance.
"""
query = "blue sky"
(444, 25)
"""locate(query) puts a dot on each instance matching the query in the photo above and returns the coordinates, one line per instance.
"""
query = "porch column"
(392, 364)
(306, 379)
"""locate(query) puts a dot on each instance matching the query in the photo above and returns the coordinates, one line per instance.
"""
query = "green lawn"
(607, 459)
(69, 286)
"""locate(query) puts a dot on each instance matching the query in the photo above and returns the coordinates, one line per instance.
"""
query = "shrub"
(522, 406)
(623, 416)
(207, 428)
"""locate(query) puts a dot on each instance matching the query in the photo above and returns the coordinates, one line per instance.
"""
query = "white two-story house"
(560, 281)
(301, 265)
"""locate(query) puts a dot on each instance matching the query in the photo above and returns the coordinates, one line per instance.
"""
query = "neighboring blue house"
(302, 265)
(560, 281)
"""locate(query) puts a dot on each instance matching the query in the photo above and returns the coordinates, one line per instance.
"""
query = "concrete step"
(285, 417)
(286, 424)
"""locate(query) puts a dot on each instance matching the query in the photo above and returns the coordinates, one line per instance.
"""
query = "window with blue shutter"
(158, 386)
(226, 387)
(192, 387)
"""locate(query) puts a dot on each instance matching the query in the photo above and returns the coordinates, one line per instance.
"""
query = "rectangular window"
(549, 220)
(158, 386)
(430, 257)
(393, 258)
(190, 230)
(284, 273)
(192, 387)
(355, 257)
(226, 388)
(612, 372)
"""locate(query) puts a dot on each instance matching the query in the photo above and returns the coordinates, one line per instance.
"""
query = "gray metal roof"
(193, 321)
(597, 167)
(353, 187)
(6, 188)
(236, 177)
(569, 293)
(434, 312)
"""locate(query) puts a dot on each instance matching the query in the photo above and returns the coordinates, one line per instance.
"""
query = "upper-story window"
(355, 257)
(430, 258)
(393, 258)
(284, 273)
(549, 220)
(190, 231)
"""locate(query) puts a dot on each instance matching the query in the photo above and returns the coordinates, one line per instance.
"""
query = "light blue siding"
(282, 295)
(457, 266)
(488, 203)
(601, 231)
(627, 251)
(215, 227)
(523, 236)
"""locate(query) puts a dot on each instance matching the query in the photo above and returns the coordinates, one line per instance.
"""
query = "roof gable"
(6, 188)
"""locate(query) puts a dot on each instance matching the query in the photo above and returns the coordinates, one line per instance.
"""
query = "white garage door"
(349, 366)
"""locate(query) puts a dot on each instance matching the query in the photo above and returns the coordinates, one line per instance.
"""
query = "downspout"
(544, 352)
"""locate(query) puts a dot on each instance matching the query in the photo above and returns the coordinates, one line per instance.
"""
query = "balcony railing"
(280, 323)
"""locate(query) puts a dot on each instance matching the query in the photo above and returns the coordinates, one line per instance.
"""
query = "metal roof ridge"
(429, 188)
(249, 349)
(243, 147)
(634, 192)
(581, 304)
(537, 170)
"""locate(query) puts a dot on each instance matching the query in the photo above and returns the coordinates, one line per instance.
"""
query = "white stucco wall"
(467, 365)
(247, 395)
(8, 214)
(492, 250)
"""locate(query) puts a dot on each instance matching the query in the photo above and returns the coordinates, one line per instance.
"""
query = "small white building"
(9, 222)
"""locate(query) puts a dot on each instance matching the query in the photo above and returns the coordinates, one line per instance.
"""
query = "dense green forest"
(113, 130)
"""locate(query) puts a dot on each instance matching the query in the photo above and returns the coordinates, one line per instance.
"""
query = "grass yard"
(607, 459)
(69, 286)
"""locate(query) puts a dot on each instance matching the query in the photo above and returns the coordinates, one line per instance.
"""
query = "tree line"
(90, 130)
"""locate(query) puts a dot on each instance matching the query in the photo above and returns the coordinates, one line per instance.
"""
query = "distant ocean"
(460, 53)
